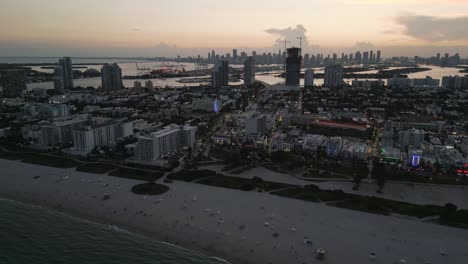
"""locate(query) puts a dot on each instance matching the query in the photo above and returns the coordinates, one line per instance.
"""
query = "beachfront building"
(59, 132)
(166, 141)
(102, 132)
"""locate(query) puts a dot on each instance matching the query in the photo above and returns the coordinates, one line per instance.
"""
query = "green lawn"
(191, 175)
(41, 159)
(98, 168)
(313, 193)
(387, 207)
(244, 184)
(323, 175)
(150, 188)
(137, 174)
(51, 161)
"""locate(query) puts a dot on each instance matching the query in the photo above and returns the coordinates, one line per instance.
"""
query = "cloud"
(290, 34)
(135, 29)
(434, 29)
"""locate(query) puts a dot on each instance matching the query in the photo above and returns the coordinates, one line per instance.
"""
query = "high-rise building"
(166, 141)
(293, 66)
(365, 57)
(100, 133)
(371, 57)
(358, 57)
(67, 72)
(455, 82)
(255, 124)
(13, 82)
(58, 79)
(378, 57)
(309, 78)
(249, 71)
(333, 76)
(111, 76)
(234, 56)
(213, 55)
(137, 85)
(220, 74)
(149, 85)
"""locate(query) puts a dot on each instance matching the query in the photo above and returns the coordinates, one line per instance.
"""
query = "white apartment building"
(101, 134)
(166, 141)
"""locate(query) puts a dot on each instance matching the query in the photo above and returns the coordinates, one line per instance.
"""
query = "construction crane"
(141, 71)
(285, 41)
(300, 45)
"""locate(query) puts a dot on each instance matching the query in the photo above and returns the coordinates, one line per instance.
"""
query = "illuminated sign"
(216, 106)
(415, 159)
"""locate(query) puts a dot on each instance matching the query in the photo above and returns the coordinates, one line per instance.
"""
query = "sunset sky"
(87, 27)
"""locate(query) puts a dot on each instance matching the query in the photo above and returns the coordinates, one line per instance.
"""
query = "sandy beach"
(242, 227)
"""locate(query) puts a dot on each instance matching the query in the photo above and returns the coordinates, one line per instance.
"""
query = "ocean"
(36, 235)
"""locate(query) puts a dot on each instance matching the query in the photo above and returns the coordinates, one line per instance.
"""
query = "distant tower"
(234, 56)
(309, 78)
(111, 76)
(249, 71)
(63, 75)
(293, 66)
(365, 57)
(220, 74)
(58, 79)
(378, 57)
(333, 76)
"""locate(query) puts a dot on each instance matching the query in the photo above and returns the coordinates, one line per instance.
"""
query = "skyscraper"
(63, 75)
(234, 56)
(378, 57)
(220, 74)
(58, 79)
(213, 55)
(371, 57)
(293, 66)
(333, 76)
(365, 57)
(249, 71)
(111, 76)
(358, 57)
(309, 78)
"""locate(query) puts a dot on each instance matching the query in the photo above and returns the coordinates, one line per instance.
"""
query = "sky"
(191, 27)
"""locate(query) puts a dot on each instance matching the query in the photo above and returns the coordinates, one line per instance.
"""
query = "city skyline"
(89, 28)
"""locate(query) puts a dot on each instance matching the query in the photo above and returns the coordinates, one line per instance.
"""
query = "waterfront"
(53, 237)
(129, 67)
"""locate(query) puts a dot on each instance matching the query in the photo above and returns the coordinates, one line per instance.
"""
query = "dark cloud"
(434, 29)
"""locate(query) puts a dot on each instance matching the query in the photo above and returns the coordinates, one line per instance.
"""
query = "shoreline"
(153, 236)
(116, 228)
(230, 224)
